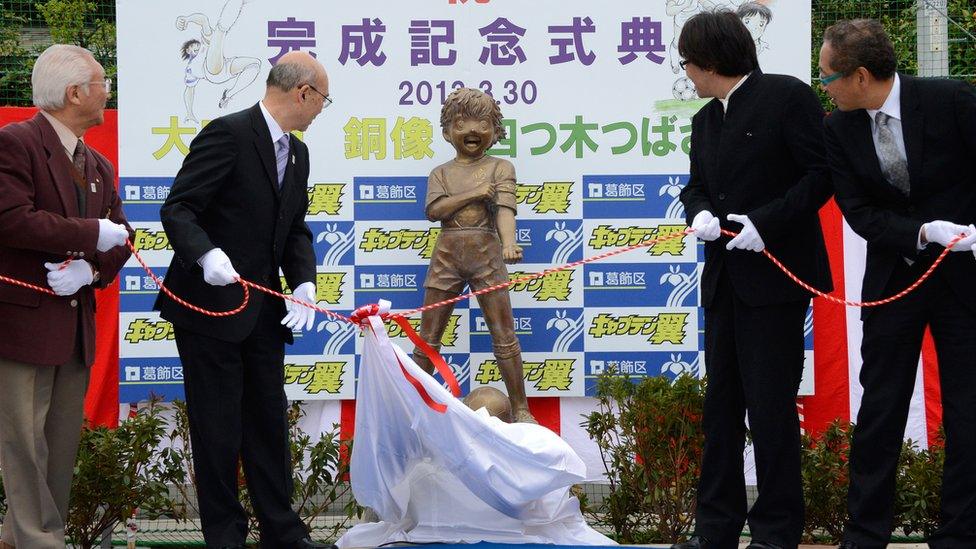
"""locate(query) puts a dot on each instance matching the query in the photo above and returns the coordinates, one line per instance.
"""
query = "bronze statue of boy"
(473, 196)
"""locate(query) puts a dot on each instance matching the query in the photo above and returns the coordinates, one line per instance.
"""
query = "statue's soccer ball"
(684, 89)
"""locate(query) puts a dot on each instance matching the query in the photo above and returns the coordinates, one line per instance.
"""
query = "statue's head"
(491, 398)
(471, 121)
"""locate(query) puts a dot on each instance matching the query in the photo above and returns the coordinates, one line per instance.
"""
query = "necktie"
(893, 166)
(78, 159)
(281, 157)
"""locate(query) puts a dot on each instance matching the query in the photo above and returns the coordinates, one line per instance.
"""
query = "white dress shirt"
(725, 100)
(891, 107)
(68, 138)
(273, 127)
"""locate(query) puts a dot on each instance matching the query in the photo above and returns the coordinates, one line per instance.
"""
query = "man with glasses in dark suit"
(238, 205)
(57, 201)
(901, 150)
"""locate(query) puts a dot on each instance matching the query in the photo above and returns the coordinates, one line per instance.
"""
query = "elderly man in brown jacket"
(57, 202)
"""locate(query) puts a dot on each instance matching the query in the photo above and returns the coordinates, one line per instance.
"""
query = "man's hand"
(110, 235)
(706, 226)
(217, 269)
(69, 280)
(298, 315)
(512, 253)
(943, 232)
(748, 238)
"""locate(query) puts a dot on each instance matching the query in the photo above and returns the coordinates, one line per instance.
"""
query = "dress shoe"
(697, 542)
(763, 545)
(848, 544)
(307, 543)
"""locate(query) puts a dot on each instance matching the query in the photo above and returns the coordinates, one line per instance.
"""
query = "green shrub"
(117, 472)
(825, 477)
(650, 439)
(918, 488)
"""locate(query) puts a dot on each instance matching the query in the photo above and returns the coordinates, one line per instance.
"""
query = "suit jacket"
(764, 158)
(939, 126)
(226, 196)
(40, 222)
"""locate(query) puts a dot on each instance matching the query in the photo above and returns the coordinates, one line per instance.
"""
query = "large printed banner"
(598, 119)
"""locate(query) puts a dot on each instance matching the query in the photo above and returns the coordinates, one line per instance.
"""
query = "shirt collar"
(725, 100)
(67, 137)
(892, 105)
(273, 127)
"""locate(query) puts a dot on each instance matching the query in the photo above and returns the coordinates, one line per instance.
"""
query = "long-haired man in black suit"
(758, 168)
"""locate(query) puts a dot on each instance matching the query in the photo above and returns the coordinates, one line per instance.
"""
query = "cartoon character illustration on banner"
(681, 11)
(205, 58)
(756, 16)
(473, 198)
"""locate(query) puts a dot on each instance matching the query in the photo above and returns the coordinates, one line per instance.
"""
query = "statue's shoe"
(523, 415)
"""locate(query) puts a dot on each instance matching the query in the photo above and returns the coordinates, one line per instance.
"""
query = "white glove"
(974, 250)
(217, 269)
(942, 232)
(69, 280)
(748, 238)
(706, 226)
(110, 235)
(299, 315)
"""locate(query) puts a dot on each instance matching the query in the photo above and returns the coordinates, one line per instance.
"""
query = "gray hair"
(287, 76)
(58, 67)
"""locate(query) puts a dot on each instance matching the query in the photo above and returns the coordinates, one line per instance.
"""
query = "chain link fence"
(29, 26)
(931, 37)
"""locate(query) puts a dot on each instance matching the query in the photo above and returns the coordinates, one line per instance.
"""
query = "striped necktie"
(281, 157)
(78, 159)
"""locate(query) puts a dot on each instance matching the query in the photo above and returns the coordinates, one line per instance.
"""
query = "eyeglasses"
(825, 80)
(683, 63)
(326, 100)
(107, 83)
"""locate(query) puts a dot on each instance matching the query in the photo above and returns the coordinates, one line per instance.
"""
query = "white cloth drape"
(457, 476)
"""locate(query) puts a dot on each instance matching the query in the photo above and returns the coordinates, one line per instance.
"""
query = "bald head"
(300, 57)
(295, 69)
(297, 90)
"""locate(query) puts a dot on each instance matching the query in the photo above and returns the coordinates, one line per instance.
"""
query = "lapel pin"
(748, 134)
(292, 159)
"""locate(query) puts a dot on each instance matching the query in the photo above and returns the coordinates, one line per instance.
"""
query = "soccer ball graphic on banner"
(684, 89)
